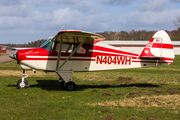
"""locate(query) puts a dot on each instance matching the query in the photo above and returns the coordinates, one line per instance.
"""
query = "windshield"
(48, 45)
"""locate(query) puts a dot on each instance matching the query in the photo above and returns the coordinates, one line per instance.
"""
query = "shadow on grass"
(82, 87)
(51, 85)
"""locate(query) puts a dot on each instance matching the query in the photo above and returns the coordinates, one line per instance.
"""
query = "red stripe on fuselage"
(74, 59)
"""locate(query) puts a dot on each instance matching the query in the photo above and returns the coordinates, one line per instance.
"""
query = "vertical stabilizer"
(160, 46)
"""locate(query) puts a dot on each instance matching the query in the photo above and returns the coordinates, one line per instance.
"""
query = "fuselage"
(99, 56)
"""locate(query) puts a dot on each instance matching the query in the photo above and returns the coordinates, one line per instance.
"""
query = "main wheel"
(70, 86)
(22, 85)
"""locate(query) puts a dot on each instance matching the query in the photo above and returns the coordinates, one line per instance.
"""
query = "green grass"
(4, 54)
(10, 66)
(99, 95)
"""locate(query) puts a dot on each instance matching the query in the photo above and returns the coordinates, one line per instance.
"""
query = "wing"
(76, 37)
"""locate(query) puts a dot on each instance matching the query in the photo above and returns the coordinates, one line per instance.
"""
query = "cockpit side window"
(66, 48)
(69, 48)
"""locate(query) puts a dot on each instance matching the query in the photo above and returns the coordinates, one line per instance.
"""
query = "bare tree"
(177, 22)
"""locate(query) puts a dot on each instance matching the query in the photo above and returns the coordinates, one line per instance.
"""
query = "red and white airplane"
(71, 50)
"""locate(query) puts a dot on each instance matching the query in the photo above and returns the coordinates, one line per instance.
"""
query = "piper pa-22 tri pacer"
(72, 50)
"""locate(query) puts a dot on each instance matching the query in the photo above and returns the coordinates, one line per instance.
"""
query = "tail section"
(159, 47)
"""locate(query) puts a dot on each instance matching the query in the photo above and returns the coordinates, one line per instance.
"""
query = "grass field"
(3, 54)
(130, 94)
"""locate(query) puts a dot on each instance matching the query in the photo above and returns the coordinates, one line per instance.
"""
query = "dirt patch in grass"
(164, 101)
(105, 111)
(133, 94)
(172, 91)
(106, 94)
(119, 94)
(94, 91)
(151, 119)
(109, 118)
(156, 91)
(143, 91)
(134, 87)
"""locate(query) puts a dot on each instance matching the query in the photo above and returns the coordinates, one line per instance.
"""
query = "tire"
(70, 86)
(21, 85)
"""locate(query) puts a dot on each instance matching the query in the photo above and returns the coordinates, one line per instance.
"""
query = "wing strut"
(59, 53)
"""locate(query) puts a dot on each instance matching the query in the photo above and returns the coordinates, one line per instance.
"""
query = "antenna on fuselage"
(62, 28)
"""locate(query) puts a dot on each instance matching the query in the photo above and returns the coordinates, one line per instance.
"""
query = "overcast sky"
(23, 21)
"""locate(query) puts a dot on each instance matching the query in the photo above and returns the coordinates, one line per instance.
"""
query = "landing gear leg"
(66, 77)
(23, 83)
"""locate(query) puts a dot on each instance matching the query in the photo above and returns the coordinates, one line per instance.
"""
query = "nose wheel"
(23, 83)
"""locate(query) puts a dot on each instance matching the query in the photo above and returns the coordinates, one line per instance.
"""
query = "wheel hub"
(70, 87)
(22, 84)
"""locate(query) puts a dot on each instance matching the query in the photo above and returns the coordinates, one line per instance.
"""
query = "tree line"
(36, 43)
(140, 35)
